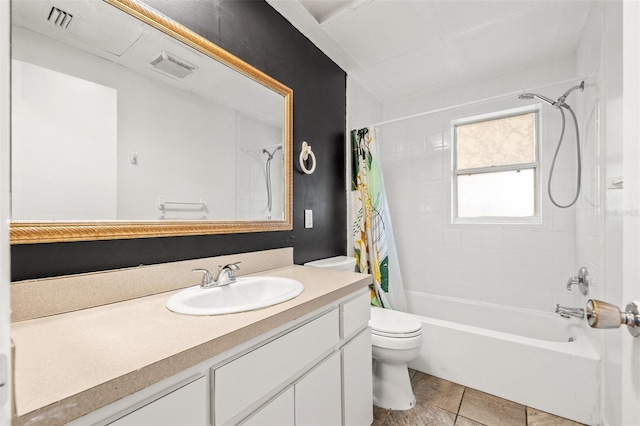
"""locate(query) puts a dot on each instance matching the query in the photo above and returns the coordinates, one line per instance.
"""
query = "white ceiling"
(400, 48)
(104, 31)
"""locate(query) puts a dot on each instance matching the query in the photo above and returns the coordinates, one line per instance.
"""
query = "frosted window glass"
(499, 142)
(500, 194)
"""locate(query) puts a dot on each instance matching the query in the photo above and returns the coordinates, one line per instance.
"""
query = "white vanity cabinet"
(316, 371)
(327, 363)
(248, 381)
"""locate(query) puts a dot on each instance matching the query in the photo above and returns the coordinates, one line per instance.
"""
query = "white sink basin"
(246, 294)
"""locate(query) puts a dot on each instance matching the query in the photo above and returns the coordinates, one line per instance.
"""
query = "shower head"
(565, 94)
(271, 154)
(536, 96)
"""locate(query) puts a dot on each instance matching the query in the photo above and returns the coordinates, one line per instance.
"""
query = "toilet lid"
(387, 322)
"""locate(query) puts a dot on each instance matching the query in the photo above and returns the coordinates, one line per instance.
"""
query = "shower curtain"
(374, 245)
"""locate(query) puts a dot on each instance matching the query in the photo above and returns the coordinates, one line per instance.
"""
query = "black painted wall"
(256, 33)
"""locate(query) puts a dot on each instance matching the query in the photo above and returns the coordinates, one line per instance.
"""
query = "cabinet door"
(319, 396)
(357, 380)
(185, 406)
(277, 412)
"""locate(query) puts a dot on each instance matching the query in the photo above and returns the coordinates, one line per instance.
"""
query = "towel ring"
(304, 156)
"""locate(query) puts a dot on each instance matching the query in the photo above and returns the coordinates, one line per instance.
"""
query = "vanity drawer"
(245, 381)
(184, 406)
(354, 315)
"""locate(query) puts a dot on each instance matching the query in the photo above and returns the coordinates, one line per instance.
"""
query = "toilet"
(395, 341)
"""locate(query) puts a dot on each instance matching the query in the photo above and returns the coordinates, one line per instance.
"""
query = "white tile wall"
(517, 265)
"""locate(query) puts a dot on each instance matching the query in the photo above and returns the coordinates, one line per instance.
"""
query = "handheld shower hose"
(559, 105)
(268, 175)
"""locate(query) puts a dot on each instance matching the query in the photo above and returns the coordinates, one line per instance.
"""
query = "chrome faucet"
(226, 275)
(565, 312)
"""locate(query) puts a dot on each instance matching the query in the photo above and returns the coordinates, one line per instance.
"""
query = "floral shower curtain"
(374, 246)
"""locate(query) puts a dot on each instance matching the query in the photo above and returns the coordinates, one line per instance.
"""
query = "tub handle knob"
(582, 280)
(606, 315)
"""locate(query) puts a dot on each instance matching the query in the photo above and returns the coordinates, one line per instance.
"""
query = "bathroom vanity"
(307, 360)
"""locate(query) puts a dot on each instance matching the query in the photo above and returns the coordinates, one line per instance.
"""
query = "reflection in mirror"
(115, 122)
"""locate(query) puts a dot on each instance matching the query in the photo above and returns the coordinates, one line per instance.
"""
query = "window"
(495, 172)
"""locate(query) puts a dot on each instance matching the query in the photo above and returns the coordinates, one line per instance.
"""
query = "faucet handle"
(233, 266)
(574, 280)
(582, 280)
(207, 278)
(230, 275)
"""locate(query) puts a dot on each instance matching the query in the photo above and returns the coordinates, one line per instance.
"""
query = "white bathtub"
(534, 358)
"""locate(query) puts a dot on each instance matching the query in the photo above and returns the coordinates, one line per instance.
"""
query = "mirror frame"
(29, 232)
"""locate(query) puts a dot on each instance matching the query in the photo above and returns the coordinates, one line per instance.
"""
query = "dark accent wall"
(256, 33)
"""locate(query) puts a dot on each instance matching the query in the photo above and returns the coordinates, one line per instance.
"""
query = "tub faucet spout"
(566, 312)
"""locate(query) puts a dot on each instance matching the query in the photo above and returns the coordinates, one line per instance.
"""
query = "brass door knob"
(606, 315)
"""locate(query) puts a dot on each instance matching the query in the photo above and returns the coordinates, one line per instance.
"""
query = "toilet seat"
(394, 324)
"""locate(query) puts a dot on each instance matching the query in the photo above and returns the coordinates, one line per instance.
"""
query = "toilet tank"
(341, 263)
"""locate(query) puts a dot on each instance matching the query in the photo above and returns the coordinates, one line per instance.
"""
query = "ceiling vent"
(171, 64)
(323, 11)
(59, 17)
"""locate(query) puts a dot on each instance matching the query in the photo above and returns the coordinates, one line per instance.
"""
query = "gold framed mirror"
(241, 118)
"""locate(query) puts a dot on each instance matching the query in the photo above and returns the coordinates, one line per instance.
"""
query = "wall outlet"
(308, 218)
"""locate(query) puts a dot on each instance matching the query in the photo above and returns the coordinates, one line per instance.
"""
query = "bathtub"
(534, 358)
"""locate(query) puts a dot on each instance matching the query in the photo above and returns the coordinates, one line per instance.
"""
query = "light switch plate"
(308, 218)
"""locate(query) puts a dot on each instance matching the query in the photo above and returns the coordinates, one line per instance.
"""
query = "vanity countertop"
(70, 364)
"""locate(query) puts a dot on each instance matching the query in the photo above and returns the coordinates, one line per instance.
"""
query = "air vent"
(59, 17)
(171, 64)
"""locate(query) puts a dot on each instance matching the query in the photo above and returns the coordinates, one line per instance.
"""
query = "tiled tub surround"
(70, 364)
(509, 264)
(522, 355)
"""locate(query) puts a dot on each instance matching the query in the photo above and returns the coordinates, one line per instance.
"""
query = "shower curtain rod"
(492, 98)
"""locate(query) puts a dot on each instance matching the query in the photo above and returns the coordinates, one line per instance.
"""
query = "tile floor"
(443, 403)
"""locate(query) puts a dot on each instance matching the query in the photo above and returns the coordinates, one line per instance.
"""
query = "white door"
(5, 60)
(630, 352)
